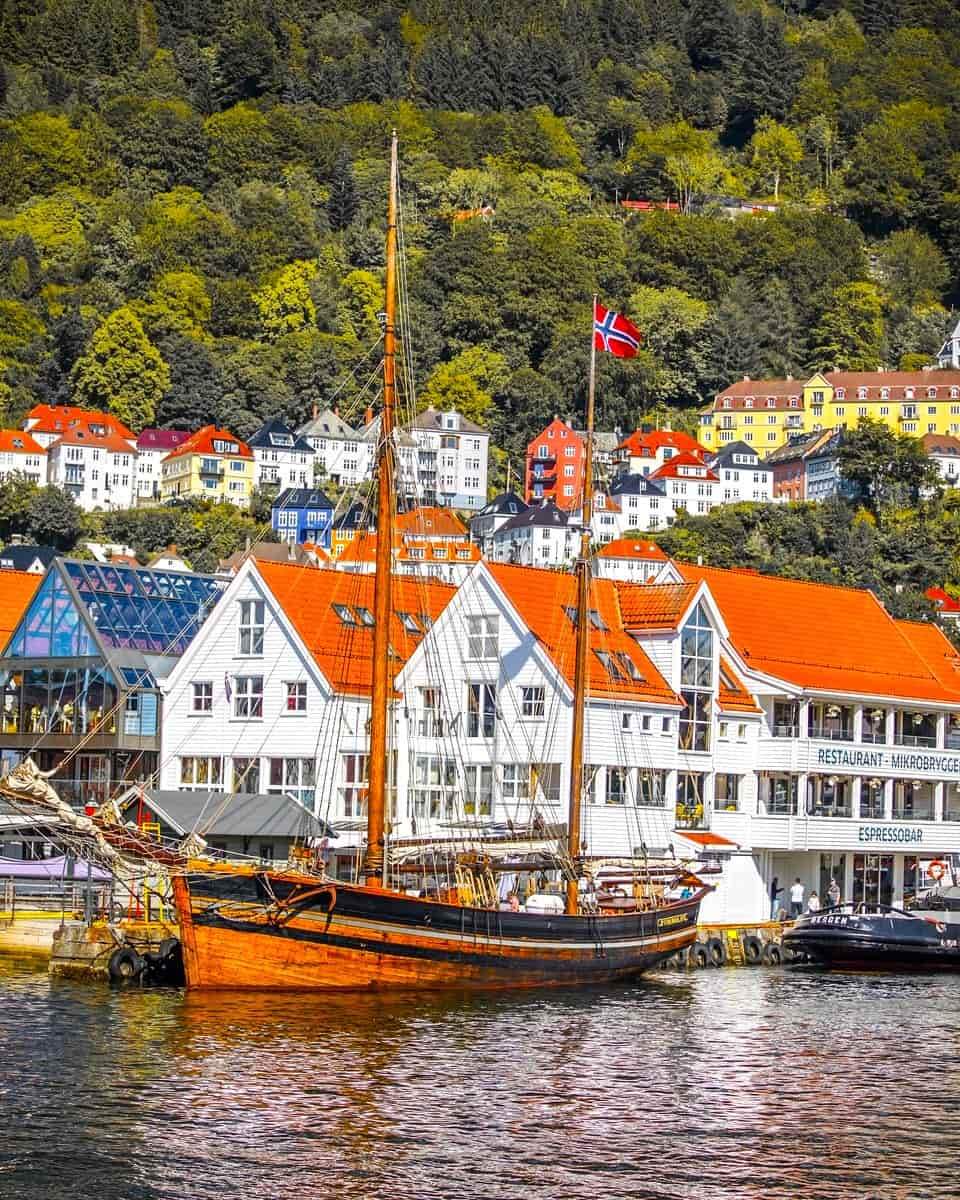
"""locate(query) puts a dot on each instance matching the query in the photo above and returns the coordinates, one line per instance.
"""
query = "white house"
(98, 470)
(944, 450)
(485, 523)
(451, 459)
(21, 454)
(338, 454)
(282, 459)
(541, 536)
(153, 446)
(633, 560)
(743, 474)
(688, 483)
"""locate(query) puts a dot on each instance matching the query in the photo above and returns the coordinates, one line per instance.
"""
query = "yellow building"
(212, 464)
(765, 412)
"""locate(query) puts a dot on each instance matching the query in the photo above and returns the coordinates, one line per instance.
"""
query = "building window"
(482, 638)
(478, 791)
(696, 681)
(481, 710)
(248, 696)
(516, 782)
(651, 789)
(434, 786)
(202, 772)
(533, 702)
(726, 793)
(246, 776)
(202, 700)
(251, 627)
(296, 777)
(690, 810)
(296, 695)
(616, 786)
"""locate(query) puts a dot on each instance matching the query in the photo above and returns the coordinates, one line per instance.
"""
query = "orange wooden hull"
(367, 940)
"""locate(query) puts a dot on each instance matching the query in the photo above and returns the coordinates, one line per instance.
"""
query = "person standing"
(796, 898)
(813, 904)
(833, 893)
(775, 892)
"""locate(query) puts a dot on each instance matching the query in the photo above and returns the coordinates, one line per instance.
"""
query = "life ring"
(772, 955)
(699, 955)
(937, 869)
(717, 952)
(125, 965)
(752, 949)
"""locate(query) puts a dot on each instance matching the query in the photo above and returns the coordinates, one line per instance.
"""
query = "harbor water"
(732, 1083)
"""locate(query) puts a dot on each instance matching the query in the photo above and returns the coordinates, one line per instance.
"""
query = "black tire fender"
(699, 955)
(717, 952)
(125, 965)
(752, 949)
(772, 954)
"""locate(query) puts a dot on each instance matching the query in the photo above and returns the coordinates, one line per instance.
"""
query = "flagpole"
(574, 847)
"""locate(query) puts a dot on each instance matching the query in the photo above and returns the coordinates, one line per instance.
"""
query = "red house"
(556, 460)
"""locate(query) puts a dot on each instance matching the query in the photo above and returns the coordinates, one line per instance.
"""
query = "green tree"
(342, 206)
(884, 464)
(849, 334)
(285, 303)
(466, 383)
(774, 151)
(122, 371)
(55, 518)
(913, 270)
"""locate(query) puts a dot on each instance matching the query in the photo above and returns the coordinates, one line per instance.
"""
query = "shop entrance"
(873, 878)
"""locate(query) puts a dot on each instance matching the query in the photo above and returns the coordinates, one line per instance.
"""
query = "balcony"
(210, 469)
(545, 458)
(830, 732)
(690, 816)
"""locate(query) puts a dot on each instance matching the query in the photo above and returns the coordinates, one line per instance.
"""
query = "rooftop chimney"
(316, 412)
(746, 378)
(172, 548)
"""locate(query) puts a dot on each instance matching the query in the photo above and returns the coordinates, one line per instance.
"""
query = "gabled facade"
(212, 464)
(647, 449)
(21, 454)
(153, 446)
(944, 450)
(301, 515)
(451, 458)
(98, 470)
(542, 536)
(632, 560)
(82, 670)
(555, 466)
(788, 464)
(30, 559)
(743, 475)
(339, 456)
(688, 483)
(47, 422)
(490, 518)
(283, 459)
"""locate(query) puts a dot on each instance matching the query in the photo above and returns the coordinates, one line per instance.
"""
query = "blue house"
(301, 515)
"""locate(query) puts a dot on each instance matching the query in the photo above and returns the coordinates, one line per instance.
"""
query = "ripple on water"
(721, 1084)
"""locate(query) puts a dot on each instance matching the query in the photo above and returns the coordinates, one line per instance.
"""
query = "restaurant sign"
(906, 761)
(903, 834)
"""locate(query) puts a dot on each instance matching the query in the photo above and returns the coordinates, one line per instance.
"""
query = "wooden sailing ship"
(246, 925)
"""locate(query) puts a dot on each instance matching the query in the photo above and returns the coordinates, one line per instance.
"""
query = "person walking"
(833, 893)
(775, 893)
(796, 898)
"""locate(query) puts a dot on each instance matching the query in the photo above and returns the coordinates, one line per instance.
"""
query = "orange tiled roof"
(760, 389)
(936, 650)
(541, 598)
(16, 592)
(632, 548)
(430, 521)
(671, 468)
(363, 549)
(55, 418)
(202, 441)
(643, 445)
(732, 694)
(84, 436)
(943, 600)
(344, 652)
(821, 637)
(896, 381)
(16, 441)
(654, 605)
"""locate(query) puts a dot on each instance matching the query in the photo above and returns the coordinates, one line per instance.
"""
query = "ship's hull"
(305, 937)
(876, 942)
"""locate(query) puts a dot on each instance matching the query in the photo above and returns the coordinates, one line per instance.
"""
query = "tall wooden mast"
(382, 606)
(582, 571)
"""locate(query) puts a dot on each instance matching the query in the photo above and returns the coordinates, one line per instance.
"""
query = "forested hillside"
(193, 198)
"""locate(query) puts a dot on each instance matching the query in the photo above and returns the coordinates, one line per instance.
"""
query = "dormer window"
(841, 393)
(885, 393)
(281, 439)
(794, 401)
(727, 402)
(931, 393)
(861, 393)
(748, 402)
(771, 402)
(908, 393)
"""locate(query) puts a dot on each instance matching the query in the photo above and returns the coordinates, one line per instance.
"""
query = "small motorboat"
(874, 937)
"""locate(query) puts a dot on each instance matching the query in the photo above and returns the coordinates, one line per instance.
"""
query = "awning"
(706, 838)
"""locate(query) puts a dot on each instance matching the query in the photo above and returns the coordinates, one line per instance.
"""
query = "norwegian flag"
(614, 332)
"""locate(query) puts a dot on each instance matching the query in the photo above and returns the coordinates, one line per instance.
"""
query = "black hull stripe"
(600, 964)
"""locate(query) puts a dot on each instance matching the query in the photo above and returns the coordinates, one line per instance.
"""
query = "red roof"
(705, 838)
(782, 391)
(542, 599)
(202, 442)
(936, 650)
(896, 381)
(430, 521)
(16, 591)
(84, 436)
(654, 605)
(671, 469)
(55, 418)
(822, 637)
(646, 445)
(943, 600)
(632, 548)
(162, 439)
(17, 441)
(344, 652)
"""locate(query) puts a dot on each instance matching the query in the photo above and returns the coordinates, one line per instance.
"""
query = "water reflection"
(718, 1084)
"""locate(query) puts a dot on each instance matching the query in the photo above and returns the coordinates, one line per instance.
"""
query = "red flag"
(613, 332)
